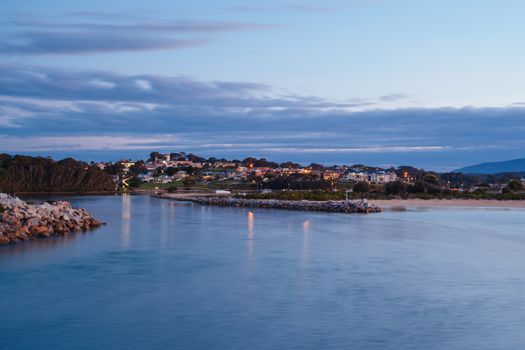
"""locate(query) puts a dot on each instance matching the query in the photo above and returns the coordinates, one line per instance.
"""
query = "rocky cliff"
(20, 221)
(36, 174)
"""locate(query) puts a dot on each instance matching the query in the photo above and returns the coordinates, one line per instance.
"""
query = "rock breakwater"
(343, 206)
(20, 221)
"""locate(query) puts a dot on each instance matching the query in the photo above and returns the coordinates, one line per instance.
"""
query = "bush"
(396, 188)
(516, 186)
(361, 187)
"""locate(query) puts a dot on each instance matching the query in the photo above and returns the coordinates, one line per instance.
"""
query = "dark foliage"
(35, 174)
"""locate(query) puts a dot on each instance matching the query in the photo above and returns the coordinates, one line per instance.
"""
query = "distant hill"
(36, 174)
(508, 166)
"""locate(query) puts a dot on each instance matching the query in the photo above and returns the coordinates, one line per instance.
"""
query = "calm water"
(166, 275)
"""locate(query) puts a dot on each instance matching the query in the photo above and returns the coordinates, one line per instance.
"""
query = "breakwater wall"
(20, 221)
(359, 206)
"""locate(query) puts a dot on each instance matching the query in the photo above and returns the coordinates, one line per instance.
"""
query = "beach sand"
(472, 203)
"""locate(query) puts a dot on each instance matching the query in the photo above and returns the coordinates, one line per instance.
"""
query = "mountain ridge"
(506, 166)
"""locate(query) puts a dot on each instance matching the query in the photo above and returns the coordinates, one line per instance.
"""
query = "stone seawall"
(20, 221)
(360, 206)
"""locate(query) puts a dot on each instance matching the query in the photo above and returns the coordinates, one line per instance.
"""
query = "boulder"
(21, 221)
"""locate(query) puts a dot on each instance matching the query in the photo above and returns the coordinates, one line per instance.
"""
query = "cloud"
(102, 84)
(87, 43)
(81, 34)
(143, 84)
(393, 97)
(144, 26)
(47, 109)
(181, 93)
(288, 8)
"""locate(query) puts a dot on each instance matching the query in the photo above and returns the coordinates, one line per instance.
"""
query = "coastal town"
(173, 167)
(182, 171)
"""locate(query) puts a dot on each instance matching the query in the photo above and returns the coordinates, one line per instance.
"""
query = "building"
(331, 175)
(355, 176)
(382, 177)
(377, 177)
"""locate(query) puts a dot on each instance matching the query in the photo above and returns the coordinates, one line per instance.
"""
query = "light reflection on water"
(251, 234)
(175, 275)
(306, 229)
(126, 220)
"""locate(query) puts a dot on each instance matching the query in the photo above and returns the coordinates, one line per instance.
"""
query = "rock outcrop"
(20, 221)
(343, 206)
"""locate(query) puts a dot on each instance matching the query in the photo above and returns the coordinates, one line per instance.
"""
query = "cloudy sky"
(437, 84)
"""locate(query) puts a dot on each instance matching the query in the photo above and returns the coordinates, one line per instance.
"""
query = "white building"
(378, 177)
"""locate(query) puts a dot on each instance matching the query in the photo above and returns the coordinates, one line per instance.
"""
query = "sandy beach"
(472, 203)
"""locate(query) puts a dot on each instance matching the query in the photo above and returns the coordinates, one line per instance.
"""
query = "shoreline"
(383, 203)
(462, 203)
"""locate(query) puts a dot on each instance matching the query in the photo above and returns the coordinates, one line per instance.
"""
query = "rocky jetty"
(20, 221)
(343, 206)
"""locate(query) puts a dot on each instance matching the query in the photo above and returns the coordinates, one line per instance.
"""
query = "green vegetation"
(516, 186)
(362, 187)
(154, 186)
(38, 174)
(298, 195)
(378, 194)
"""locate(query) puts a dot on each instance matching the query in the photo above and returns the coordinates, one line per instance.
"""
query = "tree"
(361, 187)
(396, 188)
(37, 174)
(170, 171)
(431, 179)
(158, 172)
(177, 156)
(417, 187)
(248, 161)
(516, 186)
(115, 169)
(188, 182)
(134, 182)
(290, 165)
(138, 168)
(316, 166)
(5, 160)
(153, 156)
(196, 159)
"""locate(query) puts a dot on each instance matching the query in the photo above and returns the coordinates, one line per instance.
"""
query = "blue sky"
(436, 84)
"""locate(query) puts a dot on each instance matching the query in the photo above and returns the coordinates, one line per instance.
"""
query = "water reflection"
(251, 234)
(126, 220)
(34, 246)
(306, 230)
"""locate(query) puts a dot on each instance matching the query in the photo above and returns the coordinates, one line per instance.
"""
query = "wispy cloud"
(288, 8)
(81, 34)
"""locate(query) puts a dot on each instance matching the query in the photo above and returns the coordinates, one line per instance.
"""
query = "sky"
(434, 84)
